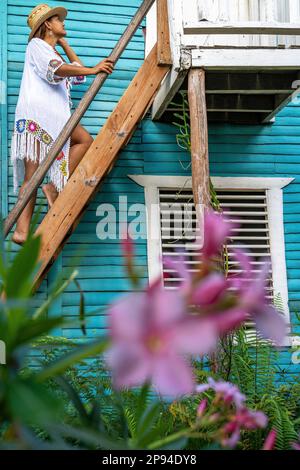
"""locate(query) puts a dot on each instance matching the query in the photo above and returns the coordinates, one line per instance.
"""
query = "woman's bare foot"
(50, 192)
(19, 237)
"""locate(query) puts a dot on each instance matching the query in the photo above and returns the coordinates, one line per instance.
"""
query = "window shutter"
(248, 208)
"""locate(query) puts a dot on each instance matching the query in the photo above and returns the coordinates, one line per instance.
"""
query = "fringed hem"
(25, 145)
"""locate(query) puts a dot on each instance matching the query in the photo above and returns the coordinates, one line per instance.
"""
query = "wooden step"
(68, 208)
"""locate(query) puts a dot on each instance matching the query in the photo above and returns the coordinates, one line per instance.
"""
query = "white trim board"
(274, 196)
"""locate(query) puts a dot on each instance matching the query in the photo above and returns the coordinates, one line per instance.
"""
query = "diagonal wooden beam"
(40, 173)
(84, 182)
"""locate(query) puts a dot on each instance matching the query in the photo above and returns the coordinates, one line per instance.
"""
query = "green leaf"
(59, 288)
(31, 403)
(21, 273)
(148, 419)
(80, 353)
(34, 329)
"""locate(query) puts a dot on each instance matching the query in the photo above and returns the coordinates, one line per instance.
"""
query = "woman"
(44, 107)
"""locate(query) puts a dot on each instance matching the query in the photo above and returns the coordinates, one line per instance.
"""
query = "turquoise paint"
(3, 104)
(237, 150)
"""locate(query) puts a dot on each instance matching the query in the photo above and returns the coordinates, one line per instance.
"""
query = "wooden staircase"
(65, 214)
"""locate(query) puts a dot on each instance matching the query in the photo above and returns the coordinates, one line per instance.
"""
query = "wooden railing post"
(199, 139)
(164, 56)
(44, 166)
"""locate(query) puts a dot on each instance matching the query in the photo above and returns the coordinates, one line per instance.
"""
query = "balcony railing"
(241, 23)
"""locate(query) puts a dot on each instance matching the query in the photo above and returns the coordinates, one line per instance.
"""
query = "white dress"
(43, 108)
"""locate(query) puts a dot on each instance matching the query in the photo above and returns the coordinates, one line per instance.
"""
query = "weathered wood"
(40, 173)
(90, 172)
(164, 56)
(206, 27)
(199, 140)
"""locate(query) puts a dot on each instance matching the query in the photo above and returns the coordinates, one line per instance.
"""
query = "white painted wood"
(167, 91)
(154, 242)
(248, 59)
(277, 247)
(284, 103)
(274, 211)
(239, 27)
(151, 29)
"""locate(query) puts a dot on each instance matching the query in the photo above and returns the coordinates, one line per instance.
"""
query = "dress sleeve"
(79, 78)
(44, 61)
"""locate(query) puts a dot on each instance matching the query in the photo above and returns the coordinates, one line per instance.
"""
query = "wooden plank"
(246, 59)
(255, 27)
(40, 173)
(68, 207)
(282, 104)
(199, 139)
(167, 91)
(164, 56)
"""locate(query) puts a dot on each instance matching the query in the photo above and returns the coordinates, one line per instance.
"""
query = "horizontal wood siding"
(272, 150)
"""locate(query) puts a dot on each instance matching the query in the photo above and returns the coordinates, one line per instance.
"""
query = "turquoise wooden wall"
(272, 150)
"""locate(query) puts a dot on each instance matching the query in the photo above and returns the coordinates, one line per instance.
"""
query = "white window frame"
(274, 196)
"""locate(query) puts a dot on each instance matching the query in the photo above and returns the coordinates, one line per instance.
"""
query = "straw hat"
(42, 13)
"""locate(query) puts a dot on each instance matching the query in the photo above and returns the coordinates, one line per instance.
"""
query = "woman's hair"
(41, 32)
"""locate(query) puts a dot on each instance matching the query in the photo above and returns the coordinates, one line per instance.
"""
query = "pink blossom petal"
(271, 324)
(194, 336)
(130, 363)
(209, 290)
(166, 307)
(216, 230)
(269, 443)
(128, 317)
(172, 376)
(202, 388)
(229, 320)
(179, 266)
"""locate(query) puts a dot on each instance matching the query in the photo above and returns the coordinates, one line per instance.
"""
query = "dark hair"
(41, 32)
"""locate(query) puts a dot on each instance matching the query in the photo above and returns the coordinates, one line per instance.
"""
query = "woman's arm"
(72, 56)
(68, 70)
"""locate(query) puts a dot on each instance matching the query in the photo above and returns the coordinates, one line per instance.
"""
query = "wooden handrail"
(88, 97)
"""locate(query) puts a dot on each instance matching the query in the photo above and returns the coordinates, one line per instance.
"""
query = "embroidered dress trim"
(25, 138)
(54, 65)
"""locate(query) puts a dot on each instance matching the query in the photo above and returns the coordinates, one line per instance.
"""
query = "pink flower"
(228, 392)
(216, 229)
(201, 408)
(269, 443)
(209, 290)
(150, 333)
(252, 298)
(244, 419)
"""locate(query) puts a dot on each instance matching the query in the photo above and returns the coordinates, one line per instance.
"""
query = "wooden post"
(66, 132)
(199, 140)
(164, 56)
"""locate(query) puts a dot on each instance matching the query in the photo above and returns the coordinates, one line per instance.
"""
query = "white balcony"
(249, 50)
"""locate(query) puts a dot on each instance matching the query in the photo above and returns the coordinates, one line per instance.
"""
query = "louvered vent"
(247, 208)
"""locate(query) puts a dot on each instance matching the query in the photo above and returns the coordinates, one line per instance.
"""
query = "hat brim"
(59, 11)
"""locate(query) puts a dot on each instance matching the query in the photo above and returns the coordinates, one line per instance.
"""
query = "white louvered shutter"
(248, 208)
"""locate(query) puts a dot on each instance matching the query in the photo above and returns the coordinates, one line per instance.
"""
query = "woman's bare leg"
(81, 140)
(23, 223)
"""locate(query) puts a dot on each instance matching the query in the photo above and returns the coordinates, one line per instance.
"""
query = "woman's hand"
(62, 42)
(105, 65)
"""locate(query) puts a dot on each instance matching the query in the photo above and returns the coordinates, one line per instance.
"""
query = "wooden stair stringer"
(64, 215)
